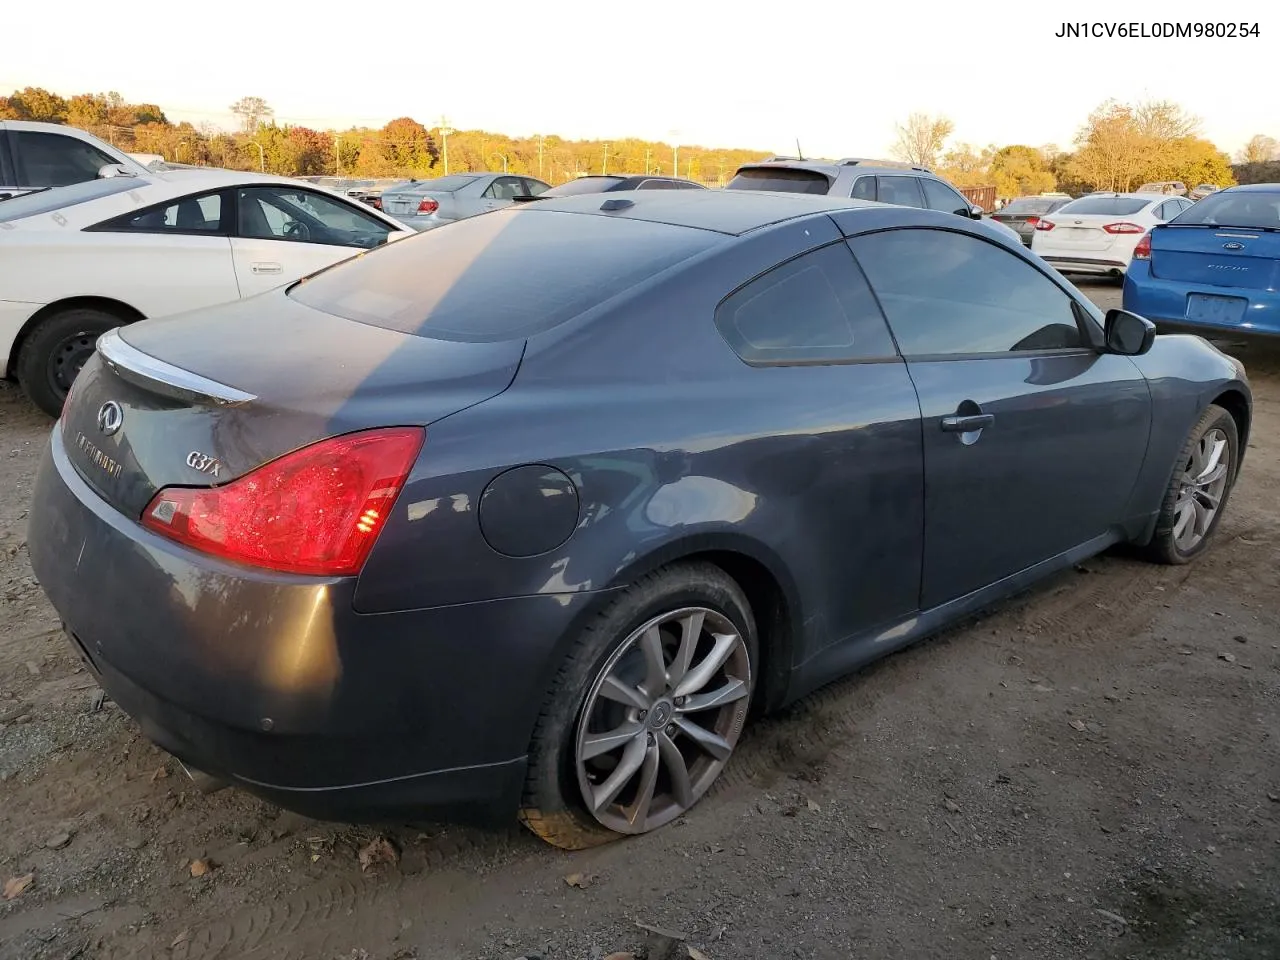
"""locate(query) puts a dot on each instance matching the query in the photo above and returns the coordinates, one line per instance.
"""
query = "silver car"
(424, 204)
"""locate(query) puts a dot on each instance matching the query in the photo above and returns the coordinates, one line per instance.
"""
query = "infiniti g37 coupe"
(531, 514)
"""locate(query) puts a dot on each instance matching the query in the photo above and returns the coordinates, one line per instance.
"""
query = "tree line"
(1119, 147)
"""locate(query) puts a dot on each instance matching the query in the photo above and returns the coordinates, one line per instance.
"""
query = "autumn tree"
(408, 145)
(1260, 149)
(36, 103)
(920, 141)
(252, 111)
(1019, 171)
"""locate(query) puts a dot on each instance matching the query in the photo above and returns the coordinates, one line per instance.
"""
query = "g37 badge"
(203, 463)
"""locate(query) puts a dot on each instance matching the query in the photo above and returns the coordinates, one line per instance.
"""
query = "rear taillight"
(1033, 221)
(1124, 227)
(428, 206)
(375, 202)
(317, 510)
(1044, 224)
(1143, 250)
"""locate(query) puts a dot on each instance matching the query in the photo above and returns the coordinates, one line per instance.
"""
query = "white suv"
(37, 156)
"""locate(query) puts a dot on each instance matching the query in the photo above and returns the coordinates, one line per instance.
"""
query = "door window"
(952, 293)
(505, 188)
(54, 159)
(864, 188)
(286, 213)
(902, 191)
(938, 196)
(814, 308)
(196, 214)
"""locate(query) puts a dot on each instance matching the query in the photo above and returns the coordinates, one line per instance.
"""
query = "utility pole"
(445, 130)
(337, 155)
(262, 157)
(604, 165)
(675, 161)
(646, 161)
(541, 138)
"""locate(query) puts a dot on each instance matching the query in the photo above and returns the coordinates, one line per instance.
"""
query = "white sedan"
(1097, 233)
(76, 261)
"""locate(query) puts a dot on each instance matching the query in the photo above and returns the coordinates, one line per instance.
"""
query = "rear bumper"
(1104, 262)
(1165, 303)
(274, 683)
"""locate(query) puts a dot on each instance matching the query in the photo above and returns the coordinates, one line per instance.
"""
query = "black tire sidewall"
(552, 784)
(32, 367)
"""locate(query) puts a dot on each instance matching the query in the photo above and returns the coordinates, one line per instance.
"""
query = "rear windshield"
(441, 184)
(1258, 209)
(1029, 206)
(500, 276)
(784, 179)
(46, 201)
(582, 185)
(1106, 206)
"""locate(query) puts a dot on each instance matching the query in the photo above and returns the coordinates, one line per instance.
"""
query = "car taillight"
(375, 202)
(1143, 250)
(428, 206)
(317, 510)
(1124, 227)
(1033, 221)
(1044, 224)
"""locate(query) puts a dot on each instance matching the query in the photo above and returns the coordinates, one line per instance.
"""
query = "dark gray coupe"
(531, 514)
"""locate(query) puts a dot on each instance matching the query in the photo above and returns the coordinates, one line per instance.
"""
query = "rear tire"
(1203, 475)
(675, 739)
(54, 352)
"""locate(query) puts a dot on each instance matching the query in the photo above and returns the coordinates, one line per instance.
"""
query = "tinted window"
(784, 179)
(188, 215)
(1028, 208)
(54, 160)
(505, 275)
(1105, 206)
(864, 188)
(286, 213)
(505, 188)
(902, 191)
(1246, 208)
(938, 196)
(814, 308)
(949, 293)
(536, 188)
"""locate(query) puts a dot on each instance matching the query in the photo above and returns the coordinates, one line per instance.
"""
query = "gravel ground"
(1089, 771)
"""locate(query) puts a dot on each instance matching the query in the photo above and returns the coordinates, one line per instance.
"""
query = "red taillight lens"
(316, 511)
(1124, 227)
(375, 202)
(1143, 250)
(428, 206)
(1044, 224)
(1033, 221)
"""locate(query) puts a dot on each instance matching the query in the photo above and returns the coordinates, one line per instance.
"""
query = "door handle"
(967, 424)
(265, 268)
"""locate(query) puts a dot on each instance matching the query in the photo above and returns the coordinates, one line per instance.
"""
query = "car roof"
(1253, 188)
(732, 212)
(832, 167)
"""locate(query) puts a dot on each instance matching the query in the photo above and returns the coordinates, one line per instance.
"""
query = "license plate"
(1078, 233)
(1210, 309)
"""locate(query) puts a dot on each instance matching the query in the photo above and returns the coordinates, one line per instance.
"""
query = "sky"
(836, 75)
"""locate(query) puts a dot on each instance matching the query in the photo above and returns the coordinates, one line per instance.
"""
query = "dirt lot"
(1090, 771)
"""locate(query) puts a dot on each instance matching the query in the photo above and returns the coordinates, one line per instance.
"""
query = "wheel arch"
(1237, 404)
(110, 305)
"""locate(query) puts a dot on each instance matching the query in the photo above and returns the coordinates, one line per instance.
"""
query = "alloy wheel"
(1204, 483)
(662, 718)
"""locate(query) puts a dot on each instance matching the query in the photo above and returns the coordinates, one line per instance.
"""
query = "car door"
(284, 233)
(167, 258)
(1033, 438)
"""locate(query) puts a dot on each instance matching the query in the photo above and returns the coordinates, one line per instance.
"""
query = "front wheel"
(646, 711)
(54, 352)
(1202, 480)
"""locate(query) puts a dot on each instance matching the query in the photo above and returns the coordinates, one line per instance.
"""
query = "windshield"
(46, 201)
(1105, 206)
(784, 179)
(582, 185)
(1259, 209)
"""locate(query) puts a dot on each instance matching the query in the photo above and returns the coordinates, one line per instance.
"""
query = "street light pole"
(262, 157)
(503, 158)
(445, 130)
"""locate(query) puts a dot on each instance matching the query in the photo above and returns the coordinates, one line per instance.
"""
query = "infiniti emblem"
(1233, 245)
(110, 417)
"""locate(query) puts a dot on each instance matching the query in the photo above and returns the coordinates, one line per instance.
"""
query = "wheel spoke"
(1204, 517)
(690, 631)
(655, 678)
(1184, 513)
(598, 743)
(698, 677)
(731, 691)
(619, 692)
(628, 764)
(639, 811)
(677, 770)
(1209, 459)
(707, 740)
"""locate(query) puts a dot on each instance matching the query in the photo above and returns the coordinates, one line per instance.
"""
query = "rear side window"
(813, 309)
(1105, 206)
(951, 293)
(202, 214)
(783, 179)
(506, 275)
(55, 160)
(864, 188)
(901, 191)
(1247, 208)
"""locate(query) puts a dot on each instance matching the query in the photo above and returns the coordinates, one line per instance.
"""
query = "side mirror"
(975, 212)
(109, 170)
(1128, 334)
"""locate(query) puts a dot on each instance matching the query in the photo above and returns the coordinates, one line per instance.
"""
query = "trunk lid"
(202, 398)
(1243, 257)
(407, 204)
(1082, 231)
